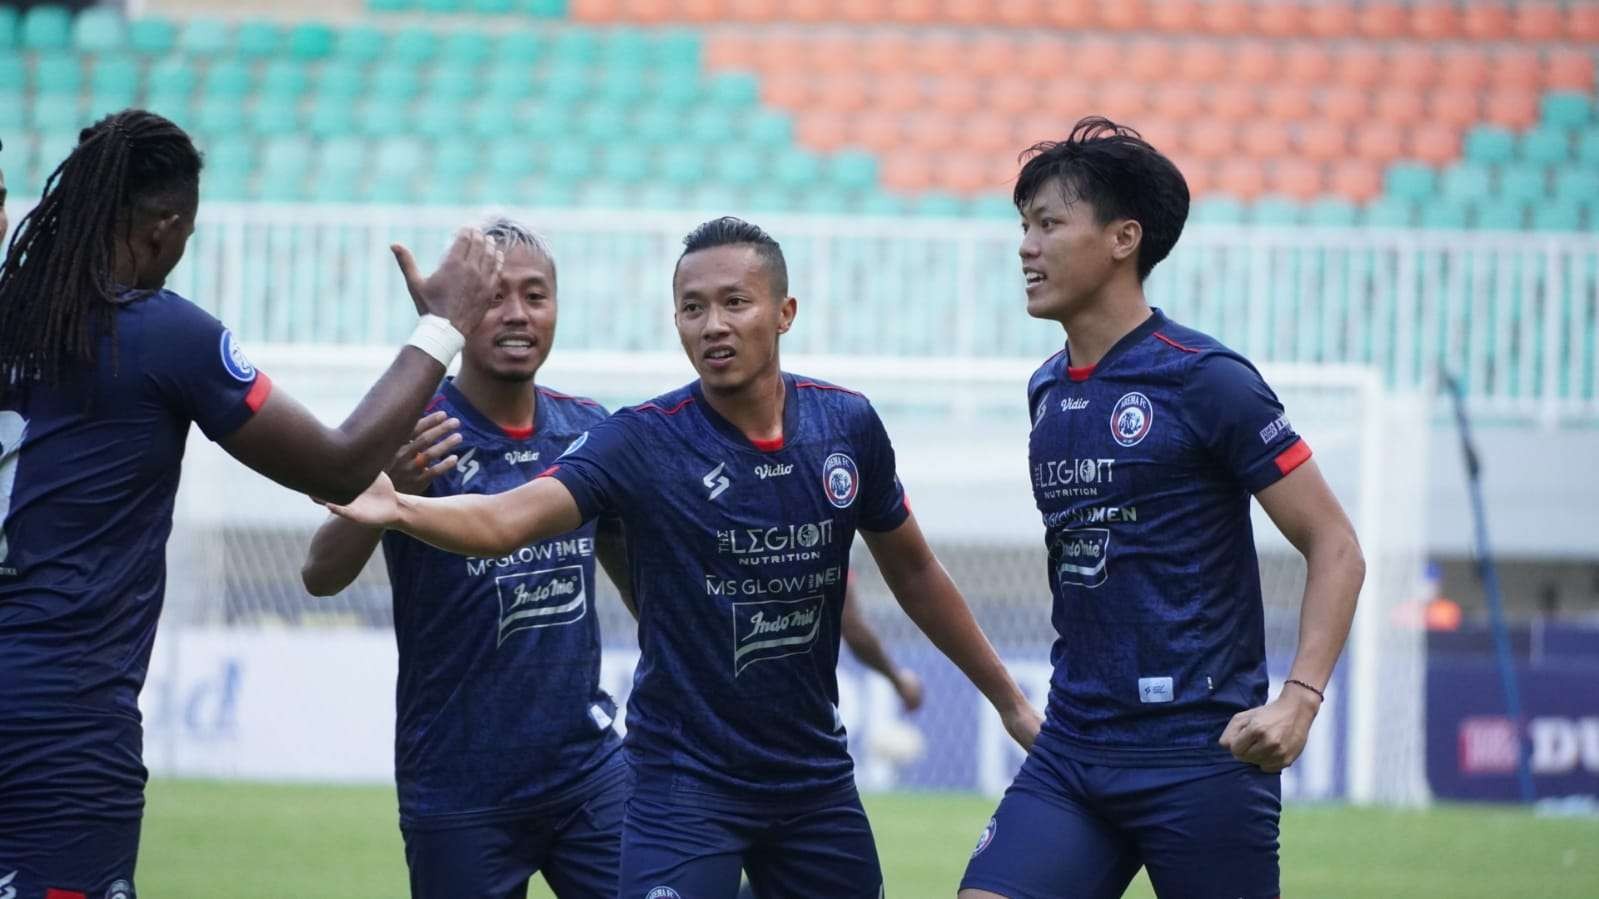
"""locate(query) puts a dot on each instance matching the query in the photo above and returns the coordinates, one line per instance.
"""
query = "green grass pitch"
(243, 841)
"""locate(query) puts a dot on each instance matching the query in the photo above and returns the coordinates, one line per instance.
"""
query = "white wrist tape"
(438, 338)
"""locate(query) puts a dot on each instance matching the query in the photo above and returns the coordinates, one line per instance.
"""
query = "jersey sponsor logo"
(773, 471)
(7, 891)
(1051, 475)
(233, 359)
(783, 543)
(1073, 404)
(1154, 689)
(13, 429)
(517, 457)
(1091, 515)
(986, 838)
(841, 480)
(779, 586)
(119, 889)
(575, 445)
(1079, 556)
(715, 481)
(467, 466)
(1279, 425)
(773, 629)
(1131, 418)
(547, 598)
(548, 551)
(663, 893)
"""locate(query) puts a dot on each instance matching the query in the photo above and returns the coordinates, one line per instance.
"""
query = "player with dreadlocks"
(101, 373)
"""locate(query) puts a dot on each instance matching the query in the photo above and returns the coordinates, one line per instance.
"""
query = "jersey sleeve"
(883, 503)
(1240, 421)
(600, 468)
(203, 373)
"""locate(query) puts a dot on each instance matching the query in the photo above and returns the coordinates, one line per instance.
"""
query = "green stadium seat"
(114, 72)
(1410, 181)
(258, 40)
(1490, 144)
(285, 154)
(442, 6)
(399, 156)
(710, 198)
(57, 73)
(603, 123)
(471, 48)
(46, 27)
(284, 79)
(566, 84)
(12, 104)
(507, 84)
(796, 168)
(825, 199)
(393, 82)
(343, 157)
(493, 121)
(455, 157)
(205, 37)
(13, 75)
(655, 195)
(1217, 210)
(682, 165)
(518, 47)
(382, 118)
(330, 117)
(287, 186)
(340, 80)
(677, 52)
(709, 127)
(390, 189)
(659, 126)
(1588, 146)
(549, 122)
(569, 161)
(1578, 184)
(733, 90)
(625, 163)
(414, 46)
(738, 165)
(53, 149)
(171, 76)
(391, 5)
(105, 102)
(454, 82)
(360, 43)
(1445, 213)
(1566, 109)
(229, 154)
(1465, 181)
(1523, 183)
(674, 91)
(8, 27)
(853, 170)
(604, 195)
(992, 206)
(175, 105)
(219, 115)
(625, 46)
(55, 113)
(273, 116)
(878, 203)
(439, 118)
(768, 198)
(1545, 145)
(1559, 215)
(492, 7)
(938, 203)
(1332, 212)
(765, 128)
(1499, 214)
(1274, 210)
(621, 86)
(438, 190)
(310, 41)
(543, 9)
(152, 36)
(224, 186)
(99, 30)
(227, 80)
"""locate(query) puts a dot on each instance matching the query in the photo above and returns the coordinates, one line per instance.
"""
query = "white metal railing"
(1515, 314)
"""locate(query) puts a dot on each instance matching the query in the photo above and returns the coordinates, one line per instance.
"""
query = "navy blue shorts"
(679, 849)
(1068, 829)
(81, 860)
(577, 849)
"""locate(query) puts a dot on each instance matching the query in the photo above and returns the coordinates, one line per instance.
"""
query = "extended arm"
(469, 525)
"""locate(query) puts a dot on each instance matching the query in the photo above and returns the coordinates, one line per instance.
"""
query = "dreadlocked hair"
(57, 288)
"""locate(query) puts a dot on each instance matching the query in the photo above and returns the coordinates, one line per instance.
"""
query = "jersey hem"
(611, 771)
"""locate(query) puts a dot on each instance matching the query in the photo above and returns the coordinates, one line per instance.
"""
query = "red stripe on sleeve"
(547, 472)
(53, 893)
(259, 391)
(1293, 457)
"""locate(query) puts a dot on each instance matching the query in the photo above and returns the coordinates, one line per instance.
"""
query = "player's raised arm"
(469, 525)
(926, 593)
(287, 444)
(1304, 508)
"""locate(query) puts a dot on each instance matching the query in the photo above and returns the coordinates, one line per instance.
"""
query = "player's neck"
(756, 408)
(1115, 313)
(509, 404)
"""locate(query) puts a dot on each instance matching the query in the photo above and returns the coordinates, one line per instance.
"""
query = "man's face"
(729, 315)
(516, 333)
(1066, 253)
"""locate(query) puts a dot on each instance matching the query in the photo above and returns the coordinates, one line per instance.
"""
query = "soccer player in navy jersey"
(740, 494)
(1159, 747)
(505, 757)
(101, 374)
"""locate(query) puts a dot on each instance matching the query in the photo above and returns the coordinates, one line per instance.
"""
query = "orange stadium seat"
(1199, 173)
(595, 10)
(834, 51)
(1244, 179)
(1411, 65)
(1227, 17)
(789, 90)
(890, 53)
(1569, 70)
(908, 172)
(967, 12)
(1163, 134)
(1298, 178)
(1487, 20)
(1333, 20)
(1511, 108)
(754, 10)
(1434, 143)
(1096, 57)
(965, 173)
(725, 52)
(955, 95)
(1359, 65)
(1308, 64)
(1582, 22)
(897, 93)
(875, 131)
(1399, 105)
(700, 10)
(1176, 16)
(1382, 20)
(1323, 141)
(988, 132)
(1539, 21)
(1517, 68)
(862, 12)
(1149, 60)
(1434, 20)
(1280, 18)
(991, 54)
(1177, 101)
(932, 131)
(649, 12)
(1289, 102)
(941, 53)
(1071, 14)
(1012, 95)
(1255, 62)
(839, 91)
(1068, 101)
(1233, 102)
(789, 51)
(1044, 58)
(822, 129)
(1003, 169)
(914, 12)
(1266, 139)
(1470, 68)
(1211, 140)
(1122, 101)
(1357, 179)
(1379, 142)
(1460, 106)
(1344, 105)
(809, 11)
(1122, 15)
(1199, 60)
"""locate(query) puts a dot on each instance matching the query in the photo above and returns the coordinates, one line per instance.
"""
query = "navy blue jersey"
(738, 555)
(499, 708)
(1143, 467)
(88, 471)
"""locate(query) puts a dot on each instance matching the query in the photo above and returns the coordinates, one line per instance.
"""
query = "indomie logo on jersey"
(1130, 419)
(1078, 556)
(774, 628)
(547, 598)
(840, 479)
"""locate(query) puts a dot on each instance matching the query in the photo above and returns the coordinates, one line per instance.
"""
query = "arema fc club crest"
(663, 893)
(841, 480)
(1130, 419)
(120, 889)
(986, 838)
(233, 359)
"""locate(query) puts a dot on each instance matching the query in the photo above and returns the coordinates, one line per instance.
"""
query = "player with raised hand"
(505, 757)
(1159, 748)
(101, 373)
(740, 494)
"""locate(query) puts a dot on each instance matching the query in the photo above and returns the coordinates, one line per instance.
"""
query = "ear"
(786, 313)
(1125, 237)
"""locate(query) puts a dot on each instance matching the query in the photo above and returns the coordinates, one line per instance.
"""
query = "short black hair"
(729, 231)
(1114, 170)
